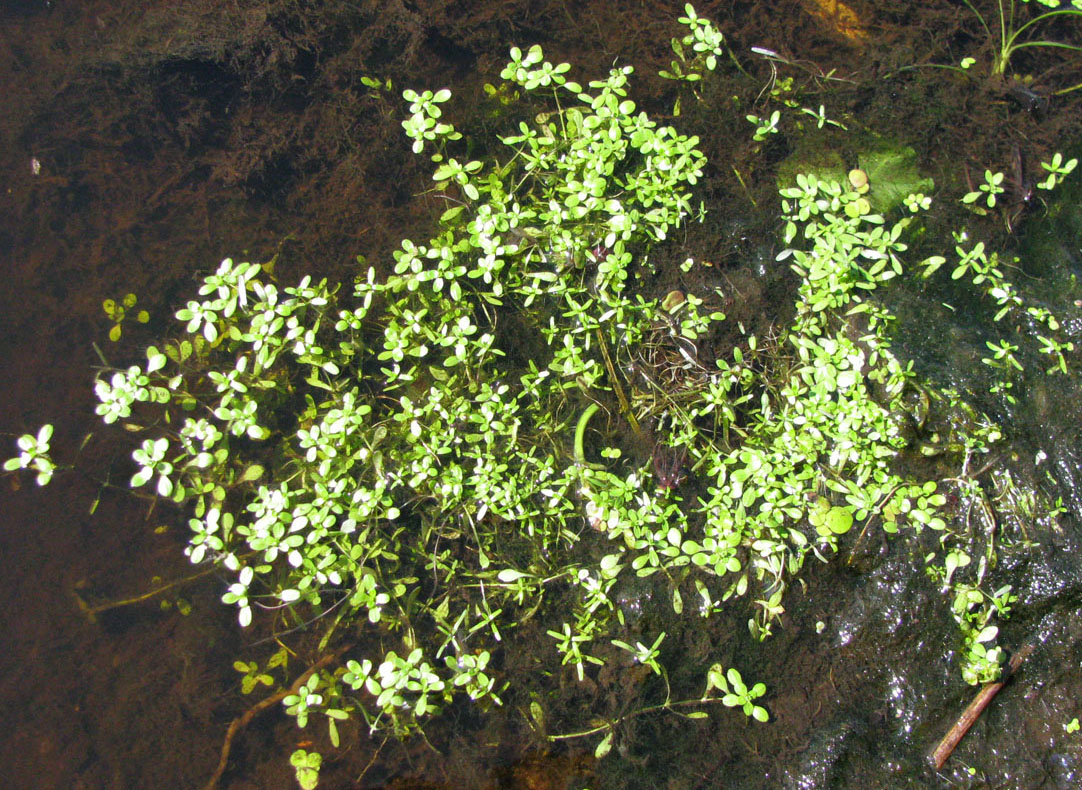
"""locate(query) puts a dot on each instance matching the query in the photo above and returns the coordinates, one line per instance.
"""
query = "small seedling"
(118, 312)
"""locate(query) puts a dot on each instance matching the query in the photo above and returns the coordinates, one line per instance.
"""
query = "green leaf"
(605, 746)
(451, 214)
(839, 520)
(716, 678)
(155, 359)
(987, 634)
(307, 766)
(537, 713)
(251, 474)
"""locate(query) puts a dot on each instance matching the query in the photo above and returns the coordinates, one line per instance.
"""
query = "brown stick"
(92, 612)
(242, 721)
(974, 710)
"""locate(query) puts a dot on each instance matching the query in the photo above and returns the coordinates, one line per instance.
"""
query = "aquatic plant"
(1012, 34)
(117, 312)
(399, 494)
(34, 454)
(371, 471)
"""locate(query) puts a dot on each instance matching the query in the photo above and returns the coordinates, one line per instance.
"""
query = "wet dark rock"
(1064, 769)
(818, 766)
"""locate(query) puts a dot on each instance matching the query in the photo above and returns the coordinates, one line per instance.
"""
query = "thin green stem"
(580, 433)
(649, 709)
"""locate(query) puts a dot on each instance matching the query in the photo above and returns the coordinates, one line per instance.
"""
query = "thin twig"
(92, 612)
(974, 710)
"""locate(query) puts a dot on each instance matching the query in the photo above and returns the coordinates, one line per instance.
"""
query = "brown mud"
(142, 142)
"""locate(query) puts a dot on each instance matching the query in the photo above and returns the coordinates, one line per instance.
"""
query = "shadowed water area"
(142, 143)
